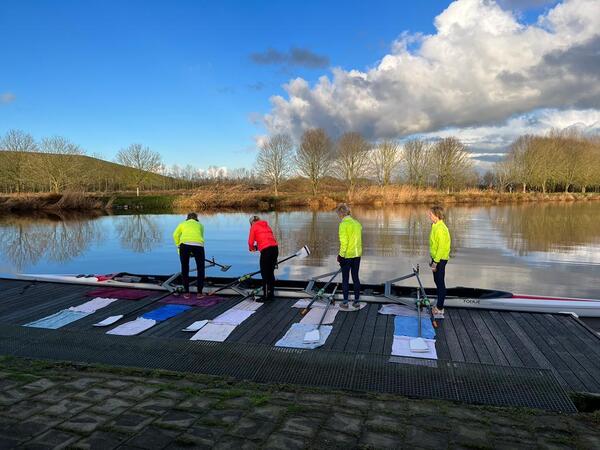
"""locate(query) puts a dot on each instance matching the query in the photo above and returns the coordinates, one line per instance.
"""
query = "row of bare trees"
(560, 161)
(56, 164)
(444, 164)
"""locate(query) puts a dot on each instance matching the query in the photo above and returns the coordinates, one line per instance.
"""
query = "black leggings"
(268, 261)
(440, 283)
(185, 252)
(350, 265)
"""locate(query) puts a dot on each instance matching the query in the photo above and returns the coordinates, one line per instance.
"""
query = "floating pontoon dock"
(485, 356)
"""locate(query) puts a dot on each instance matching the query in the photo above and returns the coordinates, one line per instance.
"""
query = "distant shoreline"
(218, 198)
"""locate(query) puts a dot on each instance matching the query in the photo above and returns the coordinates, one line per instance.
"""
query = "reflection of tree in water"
(390, 232)
(138, 232)
(25, 240)
(547, 227)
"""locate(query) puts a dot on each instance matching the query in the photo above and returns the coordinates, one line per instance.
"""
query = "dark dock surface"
(493, 340)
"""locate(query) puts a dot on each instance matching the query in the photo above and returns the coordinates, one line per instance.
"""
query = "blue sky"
(178, 76)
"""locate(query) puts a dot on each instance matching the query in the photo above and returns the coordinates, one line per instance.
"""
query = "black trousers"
(350, 265)
(268, 261)
(440, 282)
(185, 252)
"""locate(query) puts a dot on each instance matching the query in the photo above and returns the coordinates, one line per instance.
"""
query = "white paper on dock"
(132, 328)
(314, 316)
(232, 316)
(294, 337)
(398, 310)
(306, 301)
(109, 321)
(196, 325)
(213, 332)
(249, 305)
(93, 305)
(401, 347)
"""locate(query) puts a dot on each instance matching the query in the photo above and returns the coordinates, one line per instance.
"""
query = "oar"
(302, 253)
(224, 267)
(424, 299)
(319, 293)
(312, 336)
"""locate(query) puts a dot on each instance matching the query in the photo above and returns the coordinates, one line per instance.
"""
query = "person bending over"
(189, 239)
(350, 235)
(439, 249)
(261, 238)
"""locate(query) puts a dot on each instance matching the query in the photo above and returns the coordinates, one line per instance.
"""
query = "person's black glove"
(339, 260)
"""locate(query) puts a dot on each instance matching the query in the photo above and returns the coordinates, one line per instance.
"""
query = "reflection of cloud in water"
(59, 238)
(139, 232)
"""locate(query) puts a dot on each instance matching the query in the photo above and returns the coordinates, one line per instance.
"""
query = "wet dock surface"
(559, 343)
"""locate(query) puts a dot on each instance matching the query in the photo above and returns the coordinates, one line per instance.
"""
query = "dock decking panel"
(559, 343)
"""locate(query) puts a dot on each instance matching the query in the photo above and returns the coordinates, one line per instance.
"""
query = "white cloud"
(480, 68)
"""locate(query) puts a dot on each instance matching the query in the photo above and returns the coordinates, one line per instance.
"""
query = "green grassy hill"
(36, 172)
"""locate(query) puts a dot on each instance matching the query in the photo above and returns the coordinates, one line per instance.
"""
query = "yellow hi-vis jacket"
(439, 241)
(350, 232)
(189, 231)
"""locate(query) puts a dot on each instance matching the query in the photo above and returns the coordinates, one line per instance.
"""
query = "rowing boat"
(457, 297)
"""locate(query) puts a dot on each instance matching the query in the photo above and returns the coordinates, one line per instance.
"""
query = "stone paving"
(53, 405)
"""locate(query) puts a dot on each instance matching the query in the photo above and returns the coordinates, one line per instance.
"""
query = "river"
(548, 248)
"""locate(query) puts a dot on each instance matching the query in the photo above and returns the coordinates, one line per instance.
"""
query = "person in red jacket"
(262, 239)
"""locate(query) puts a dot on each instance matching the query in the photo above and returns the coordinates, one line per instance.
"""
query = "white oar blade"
(303, 252)
(312, 337)
(418, 345)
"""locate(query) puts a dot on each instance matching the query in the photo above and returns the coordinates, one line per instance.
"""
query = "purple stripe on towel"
(123, 294)
(204, 302)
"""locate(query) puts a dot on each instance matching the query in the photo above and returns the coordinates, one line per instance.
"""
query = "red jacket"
(262, 235)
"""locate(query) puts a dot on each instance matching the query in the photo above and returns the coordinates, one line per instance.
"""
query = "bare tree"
(273, 162)
(452, 167)
(314, 156)
(17, 144)
(142, 159)
(59, 164)
(502, 174)
(415, 164)
(352, 159)
(386, 158)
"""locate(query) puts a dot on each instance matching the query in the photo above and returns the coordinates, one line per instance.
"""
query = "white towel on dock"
(249, 305)
(196, 325)
(303, 303)
(57, 320)
(398, 310)
(93, 305)
(233, 316)
(314, 316)
(295, 336)
(108, 321)
(217, 332)
(401, 347)
(132, 328)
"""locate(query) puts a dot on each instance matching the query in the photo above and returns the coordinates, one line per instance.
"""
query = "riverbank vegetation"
(317, 172)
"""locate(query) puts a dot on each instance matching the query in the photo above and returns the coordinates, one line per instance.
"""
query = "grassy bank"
(235, 197)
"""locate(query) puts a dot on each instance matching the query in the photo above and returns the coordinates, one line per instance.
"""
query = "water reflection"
(547, 248)
(547, 227)
(139, 233)
(26, 240)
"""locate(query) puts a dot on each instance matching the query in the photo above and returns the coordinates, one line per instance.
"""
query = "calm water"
(549, 249)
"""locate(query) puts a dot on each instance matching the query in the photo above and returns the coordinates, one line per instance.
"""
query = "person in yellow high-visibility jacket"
(439, 249)
(189, 239)
(350, 235)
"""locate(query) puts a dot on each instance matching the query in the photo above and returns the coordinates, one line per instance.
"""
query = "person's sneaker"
(186, 295)
(200, 296)
(356, 304)
(437, 313)
(344, 305)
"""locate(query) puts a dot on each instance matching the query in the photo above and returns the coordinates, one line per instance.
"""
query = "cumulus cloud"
(7, 97)
(481, 67)
(300, 57)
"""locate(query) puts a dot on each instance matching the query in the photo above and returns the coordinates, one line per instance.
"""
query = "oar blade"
(303, 252)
